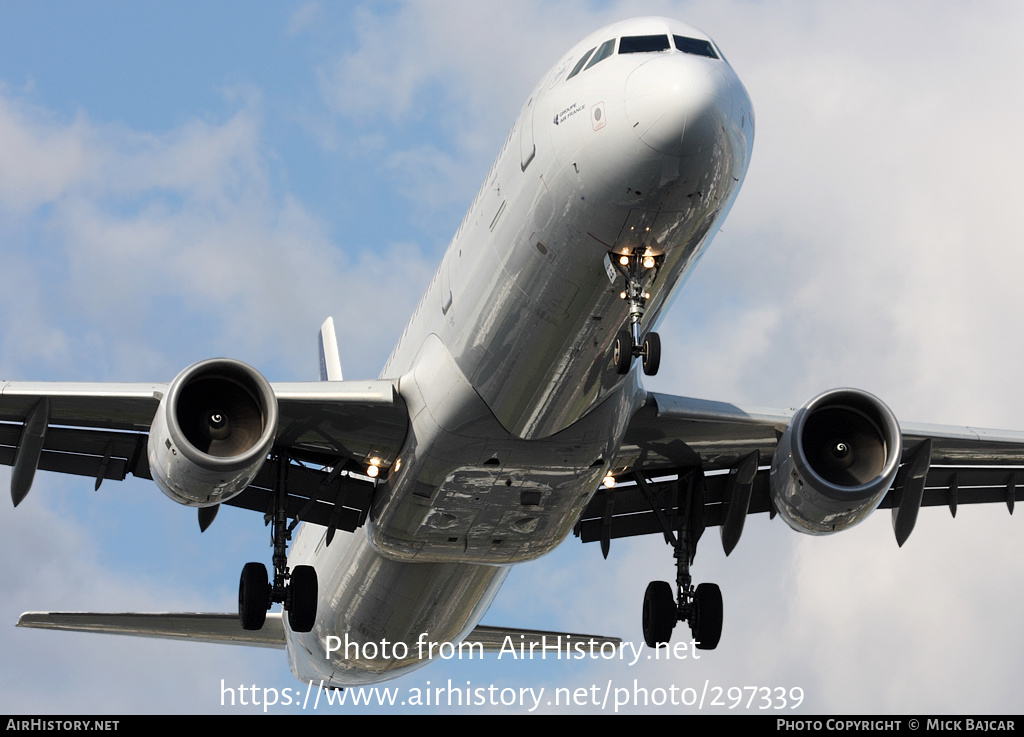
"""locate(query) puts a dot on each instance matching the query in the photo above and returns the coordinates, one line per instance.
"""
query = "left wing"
(710, 463)
(327, 435)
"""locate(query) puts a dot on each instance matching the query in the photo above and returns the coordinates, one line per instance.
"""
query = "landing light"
(648, 262)
(609, 481)
(373, 470)
(624, 260)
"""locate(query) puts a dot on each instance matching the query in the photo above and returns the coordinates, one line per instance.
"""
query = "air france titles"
(565, 647)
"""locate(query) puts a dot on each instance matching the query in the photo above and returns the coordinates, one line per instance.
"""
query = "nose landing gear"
(628, 342)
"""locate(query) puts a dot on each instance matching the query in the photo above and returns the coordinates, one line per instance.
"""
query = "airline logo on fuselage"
(568, 113)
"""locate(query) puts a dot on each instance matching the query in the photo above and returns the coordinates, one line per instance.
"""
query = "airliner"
(511, 413)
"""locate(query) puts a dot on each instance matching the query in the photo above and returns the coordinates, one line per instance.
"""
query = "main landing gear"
(296, 589)
(628, 342)
(700, 607)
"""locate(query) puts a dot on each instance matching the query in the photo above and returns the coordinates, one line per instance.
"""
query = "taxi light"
(609, 481)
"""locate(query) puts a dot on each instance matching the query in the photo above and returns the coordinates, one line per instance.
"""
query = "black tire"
(652, 354)
(622, 354)
(659, 614)
(304, 592)
(707, 626)
(253, 596)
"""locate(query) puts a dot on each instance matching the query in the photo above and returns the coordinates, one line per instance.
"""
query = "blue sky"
(180, 182)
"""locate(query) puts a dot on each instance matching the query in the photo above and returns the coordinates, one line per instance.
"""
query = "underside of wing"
(325, 436)
(224, 629)
(689, 464)
(221, 629)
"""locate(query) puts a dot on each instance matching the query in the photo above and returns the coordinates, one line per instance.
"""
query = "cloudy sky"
(180, 182)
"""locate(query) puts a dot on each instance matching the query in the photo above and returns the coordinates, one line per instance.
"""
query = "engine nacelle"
(835, 462)
(212, 432)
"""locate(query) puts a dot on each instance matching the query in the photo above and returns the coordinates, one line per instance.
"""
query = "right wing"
(709, 462)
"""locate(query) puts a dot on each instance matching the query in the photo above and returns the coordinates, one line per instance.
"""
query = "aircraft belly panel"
(466, 489)
(384, 613)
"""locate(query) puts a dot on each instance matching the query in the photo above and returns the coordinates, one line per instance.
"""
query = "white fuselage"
(516, 411)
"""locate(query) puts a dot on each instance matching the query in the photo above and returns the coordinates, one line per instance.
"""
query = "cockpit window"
(641, 44)
(579, 65)
(695, 46)
(603, 52)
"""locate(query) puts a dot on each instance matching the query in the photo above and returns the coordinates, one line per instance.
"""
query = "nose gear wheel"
(628, 341)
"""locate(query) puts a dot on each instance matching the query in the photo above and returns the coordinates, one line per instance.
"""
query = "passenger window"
(642, 44)
(603, 52)
(695, 46)
(579, 65)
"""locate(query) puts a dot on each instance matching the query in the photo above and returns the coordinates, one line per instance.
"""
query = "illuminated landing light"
(624, 260)
(648, 262)
(609, 481)
(622, 295)
(373, 470)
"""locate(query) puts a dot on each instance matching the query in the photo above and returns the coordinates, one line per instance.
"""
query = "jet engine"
(835, 462)
(212, 432)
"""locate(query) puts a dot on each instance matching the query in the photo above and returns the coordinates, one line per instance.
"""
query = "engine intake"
(835, 462)
(212, 432)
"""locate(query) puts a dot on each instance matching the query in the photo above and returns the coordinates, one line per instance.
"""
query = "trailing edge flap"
(224, 629)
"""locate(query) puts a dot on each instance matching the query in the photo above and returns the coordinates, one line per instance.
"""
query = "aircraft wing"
(101, 431)
(225, 629)
(673, 440)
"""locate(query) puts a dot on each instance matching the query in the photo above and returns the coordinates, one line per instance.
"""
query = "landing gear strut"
(701, 606)
(296, 589)
(629, 343)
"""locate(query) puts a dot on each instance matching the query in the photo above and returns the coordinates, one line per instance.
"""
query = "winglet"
(330, 359)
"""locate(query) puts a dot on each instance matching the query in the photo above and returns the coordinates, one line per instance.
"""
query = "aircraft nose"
(676, 103)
